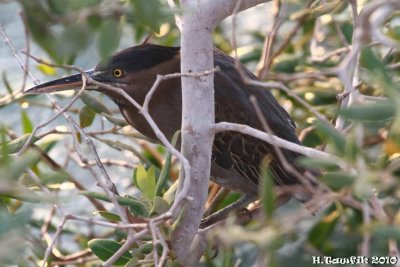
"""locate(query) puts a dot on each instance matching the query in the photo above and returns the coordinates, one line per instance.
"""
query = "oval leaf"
(109, 37)
(16, 144)
(160, 206)
(26, 122)
(108, 215)
(330, 132)
(146, 181)
(86, 116)
(104, 249)
(337, 180)
(135, 206)
(378, 111)
(94, 103)
(317, 164)
(115, 120)
(267, 192)
(162, 178)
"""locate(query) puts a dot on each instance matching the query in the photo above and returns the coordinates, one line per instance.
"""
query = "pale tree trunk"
(197, 119)
(199, 19)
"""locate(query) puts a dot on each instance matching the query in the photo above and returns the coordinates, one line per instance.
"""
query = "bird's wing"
(240, 152)
(239, 93)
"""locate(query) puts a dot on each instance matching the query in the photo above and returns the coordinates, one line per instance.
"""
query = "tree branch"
(218, 10)
(197, 118)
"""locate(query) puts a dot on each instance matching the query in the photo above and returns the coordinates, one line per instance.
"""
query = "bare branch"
(272, 139)
(178, 19)
(218, 10)
(365, 245)
(347, 71)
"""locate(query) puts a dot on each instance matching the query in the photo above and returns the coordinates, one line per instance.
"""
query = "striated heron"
(236, 158)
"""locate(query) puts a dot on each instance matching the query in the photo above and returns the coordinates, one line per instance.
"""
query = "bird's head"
(134, 67)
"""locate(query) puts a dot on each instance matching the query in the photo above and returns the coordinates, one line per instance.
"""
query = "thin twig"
(365, 245)
(28, 48)
(178, 19)
(269, 61)
(348, 70)
(8, 42)
(60, 227)
(108, 186)
(55, 116)
(270, 37)
(309, 152)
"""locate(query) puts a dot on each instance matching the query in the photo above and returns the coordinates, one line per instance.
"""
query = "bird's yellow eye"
(117, 73)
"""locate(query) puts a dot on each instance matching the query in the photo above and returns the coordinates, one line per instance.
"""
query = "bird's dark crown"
(139, 58)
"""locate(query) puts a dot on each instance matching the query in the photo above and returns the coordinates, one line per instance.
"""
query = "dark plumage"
(236, 157)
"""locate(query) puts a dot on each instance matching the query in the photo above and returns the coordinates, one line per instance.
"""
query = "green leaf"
(146, 181)
(7, 84)
(16, 191)
(169, 196)
(371, 62)
(150, 185)
(327, 130)
(15, 168)
(15, 145)
(320, 233)
(137, 207)
(4, 144)
(120, 146)
(162, 178)
(73, 38)
(140, 171)
(378, 75)
(146, 248)
(347, 29)
(317, 164)
(108, 215)
(378, 111)
(140, 32)
(364, 186)
(13, 234)
(287, 64)
(115, 120)
(338, 180)
(330, 7)
(387, 232)
(94, 104)
(109, 37)
(394, 32)
(105, 249)
(46, 69)
(160, 206)
(54, 177)
(164, 174)
(267, 194)
(26, 122)
(148, 13)
(86, 116)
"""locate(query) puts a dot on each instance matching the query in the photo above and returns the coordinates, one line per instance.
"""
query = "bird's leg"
(281, 199)
(222, 214)
(222, 193)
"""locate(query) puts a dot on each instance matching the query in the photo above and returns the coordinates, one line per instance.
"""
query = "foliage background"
(83, 32)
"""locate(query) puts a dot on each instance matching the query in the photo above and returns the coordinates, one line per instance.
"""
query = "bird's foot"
(241, 203)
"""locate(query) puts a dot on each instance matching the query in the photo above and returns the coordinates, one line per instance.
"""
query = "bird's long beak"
(73, 82)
